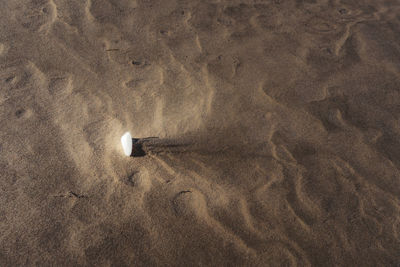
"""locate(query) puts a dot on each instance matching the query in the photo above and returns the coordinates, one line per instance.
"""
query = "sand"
(277, 128)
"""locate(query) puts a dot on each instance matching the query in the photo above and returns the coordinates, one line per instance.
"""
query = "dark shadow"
(154, 145)
(137, 147)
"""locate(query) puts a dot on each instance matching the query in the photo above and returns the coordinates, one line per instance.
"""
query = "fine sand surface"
(277, 128)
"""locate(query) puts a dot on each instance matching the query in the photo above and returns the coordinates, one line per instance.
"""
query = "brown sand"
(278, 125)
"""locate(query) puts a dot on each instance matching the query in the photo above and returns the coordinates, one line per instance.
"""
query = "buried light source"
(127, 144)
(132, 146)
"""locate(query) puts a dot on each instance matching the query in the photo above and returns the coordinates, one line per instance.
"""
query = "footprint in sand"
(20, 112)
(138, 179)
(60, 85)
(319, 25)
(36, 16)
(187, 203)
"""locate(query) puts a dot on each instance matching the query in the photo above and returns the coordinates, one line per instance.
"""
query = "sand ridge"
(277, 126)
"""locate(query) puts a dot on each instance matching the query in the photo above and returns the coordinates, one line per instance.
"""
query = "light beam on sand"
(126, 141)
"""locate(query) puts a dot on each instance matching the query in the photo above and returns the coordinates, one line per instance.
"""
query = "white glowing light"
(126, 141)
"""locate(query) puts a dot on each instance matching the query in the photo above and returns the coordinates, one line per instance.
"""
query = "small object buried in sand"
(126, 141)
(132, 146)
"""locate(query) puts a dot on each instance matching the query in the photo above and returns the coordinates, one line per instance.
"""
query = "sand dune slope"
(277, 128)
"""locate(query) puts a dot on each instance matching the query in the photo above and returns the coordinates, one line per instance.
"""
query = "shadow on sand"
(155, 145)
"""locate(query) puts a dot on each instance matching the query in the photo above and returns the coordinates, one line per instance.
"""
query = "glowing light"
(126, 141)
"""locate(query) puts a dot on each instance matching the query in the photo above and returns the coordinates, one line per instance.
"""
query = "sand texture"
(276, 130)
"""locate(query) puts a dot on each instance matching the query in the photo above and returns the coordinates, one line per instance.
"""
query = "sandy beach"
(273, 132)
